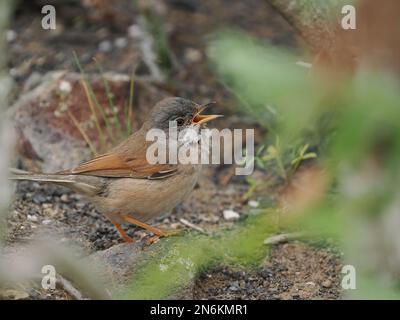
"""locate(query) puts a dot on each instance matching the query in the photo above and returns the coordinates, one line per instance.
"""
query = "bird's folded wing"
(119, 166)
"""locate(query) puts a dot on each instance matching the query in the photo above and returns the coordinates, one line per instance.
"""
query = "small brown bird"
(123, 185)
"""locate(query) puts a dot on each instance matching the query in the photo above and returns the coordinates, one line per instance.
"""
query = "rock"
(65, 198)
(253, 203)
(234, 286)
(231, 215)
(11, 35)
(33, 80)
(327, 283)
(192, 55)
(65, 87)
(45, 131)
(119, 261)
(13, 294)
(266, 273)
(135, 31)
(32, 218)
(121, 42)
(39, 198)
(286, 296)
(105, 46)
(118, 264)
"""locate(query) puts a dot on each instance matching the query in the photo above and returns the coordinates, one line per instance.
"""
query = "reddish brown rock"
(43, 116)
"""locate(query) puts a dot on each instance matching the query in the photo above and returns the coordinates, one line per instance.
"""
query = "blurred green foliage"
(360, 139)
(181, 259)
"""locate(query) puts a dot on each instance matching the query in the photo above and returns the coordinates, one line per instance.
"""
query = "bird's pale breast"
(145, 199)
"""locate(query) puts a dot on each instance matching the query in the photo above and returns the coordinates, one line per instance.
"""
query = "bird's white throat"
(190, 135)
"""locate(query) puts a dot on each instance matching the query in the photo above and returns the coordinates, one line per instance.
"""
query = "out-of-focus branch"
(24, 265)
(313, 20)
(6, 138)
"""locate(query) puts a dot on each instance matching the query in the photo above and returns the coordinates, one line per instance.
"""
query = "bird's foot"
(127, 239)
(122, 233)
(171, 232)
(162, 234)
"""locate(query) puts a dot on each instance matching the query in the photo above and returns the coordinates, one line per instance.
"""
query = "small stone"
(327, 284)
(234, 286)
(65, 86)
(105, 46)
(47, 221)
(65, 198)
(13, 294)
(11, 35)
(39, 199)
(253, 203)
(32, 218)
(121, 42)
(13, 72)
(135, 31)
(34, 79)
(193, 55)
(286, 296)
(231, 215)
(266, 273)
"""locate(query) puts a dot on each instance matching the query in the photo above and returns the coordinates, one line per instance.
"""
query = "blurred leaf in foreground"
(178, 260)
(360, 160)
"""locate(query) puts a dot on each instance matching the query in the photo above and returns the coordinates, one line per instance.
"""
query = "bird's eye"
(180, 121)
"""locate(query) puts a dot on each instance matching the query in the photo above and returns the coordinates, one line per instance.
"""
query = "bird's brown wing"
(126, 160)
(119, 166)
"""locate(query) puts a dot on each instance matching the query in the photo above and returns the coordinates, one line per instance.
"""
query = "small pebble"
(266, 273)
(47, 221)
(253, 203)
(32, 218)
(120, 43)
(65, 198)
(11, 35)
(234, 286)
(105, 46)
(39, 199)
(135, 31)
(327, 284)
(65, 86)
(192, 55)
(231, 215)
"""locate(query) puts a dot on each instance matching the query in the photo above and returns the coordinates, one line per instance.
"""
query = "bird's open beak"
(203, 118)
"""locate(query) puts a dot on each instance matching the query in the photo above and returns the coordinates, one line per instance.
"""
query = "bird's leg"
(122, 232)
(158, 232)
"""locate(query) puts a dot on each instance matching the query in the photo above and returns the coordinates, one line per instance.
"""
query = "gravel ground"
(292, 271)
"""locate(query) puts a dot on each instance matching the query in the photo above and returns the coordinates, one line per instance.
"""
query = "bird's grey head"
(180, 110)
(183, 112)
